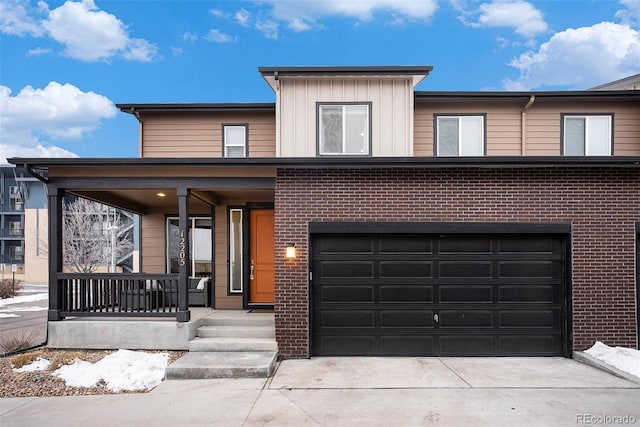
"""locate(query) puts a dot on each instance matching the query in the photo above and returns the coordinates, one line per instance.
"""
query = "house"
(376, 219)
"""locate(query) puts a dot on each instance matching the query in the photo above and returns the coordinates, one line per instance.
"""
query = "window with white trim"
(235, 251)
(344, 129)
(234, 140)
(460, 135)
(586, 135)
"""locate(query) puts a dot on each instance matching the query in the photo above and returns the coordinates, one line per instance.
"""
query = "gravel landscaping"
(44, 383)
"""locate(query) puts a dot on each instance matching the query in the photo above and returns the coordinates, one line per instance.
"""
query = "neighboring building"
(23, 225)
(627, 83)
(423, 223)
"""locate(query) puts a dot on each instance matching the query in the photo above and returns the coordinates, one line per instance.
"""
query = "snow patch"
(622, 358)
(23, 298)
(122, 370)
(39, 364)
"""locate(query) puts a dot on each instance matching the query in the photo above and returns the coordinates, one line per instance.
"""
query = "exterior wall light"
(161, 194)
(291, 251)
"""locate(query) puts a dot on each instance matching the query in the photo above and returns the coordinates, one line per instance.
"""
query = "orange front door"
(262, 252)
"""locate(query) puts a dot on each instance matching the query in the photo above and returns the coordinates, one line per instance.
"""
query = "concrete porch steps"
(233, 344)
(208, 365)
(229, 344)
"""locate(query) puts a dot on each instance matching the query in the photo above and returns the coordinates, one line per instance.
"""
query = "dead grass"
(19, 339)
(6, 288)
(19, 360)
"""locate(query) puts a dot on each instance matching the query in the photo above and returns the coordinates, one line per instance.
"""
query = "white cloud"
(303, 15)
(520, 15)
(90, 34)
(15, 19)
(217, 13)
(86, 32)
(630, 15)
(39, 51)
(580, 58)
(268, 28)
(218, 36)
(190, 37)
(298, 25)
(58, 111)
(242, 17)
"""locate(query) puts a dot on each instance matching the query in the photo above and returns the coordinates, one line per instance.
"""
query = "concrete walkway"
(362, 392)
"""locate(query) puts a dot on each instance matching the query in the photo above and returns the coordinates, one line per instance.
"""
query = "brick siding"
(602, 204)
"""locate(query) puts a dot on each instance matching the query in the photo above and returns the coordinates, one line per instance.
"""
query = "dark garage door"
(437, 295)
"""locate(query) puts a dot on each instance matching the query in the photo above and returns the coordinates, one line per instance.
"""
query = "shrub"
(17, 340)
(6, 288)
(63, 358)
(20, 360)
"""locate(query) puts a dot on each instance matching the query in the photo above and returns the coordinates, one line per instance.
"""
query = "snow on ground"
(23, 298)
(122, 370)
(622, 358)
(39, 364)
(9, 306)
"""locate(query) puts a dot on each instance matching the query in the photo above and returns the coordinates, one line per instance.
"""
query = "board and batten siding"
(543, 124)
(199, 134)
(391, 113)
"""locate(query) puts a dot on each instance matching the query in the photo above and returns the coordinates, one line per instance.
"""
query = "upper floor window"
(234, 140)
(344, 129)
(460, 135)
(586, 135)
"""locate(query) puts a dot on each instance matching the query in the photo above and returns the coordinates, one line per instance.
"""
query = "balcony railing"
(118, 294)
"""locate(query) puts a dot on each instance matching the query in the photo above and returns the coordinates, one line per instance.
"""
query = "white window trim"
(232, 250)
(226, 145)
(460, 118)
(344, 128)
(586, 118)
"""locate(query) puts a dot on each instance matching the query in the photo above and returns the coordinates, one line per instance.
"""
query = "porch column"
(56, 199)
(184, 315)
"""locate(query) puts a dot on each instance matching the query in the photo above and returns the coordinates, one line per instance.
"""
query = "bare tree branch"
(91, 237)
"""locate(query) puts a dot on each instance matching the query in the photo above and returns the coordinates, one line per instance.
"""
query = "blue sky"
(64, 65)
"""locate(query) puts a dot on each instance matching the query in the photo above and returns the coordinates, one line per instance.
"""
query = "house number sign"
(182, 254)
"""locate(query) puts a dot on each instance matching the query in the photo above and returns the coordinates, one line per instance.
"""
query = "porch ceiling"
(142, 201)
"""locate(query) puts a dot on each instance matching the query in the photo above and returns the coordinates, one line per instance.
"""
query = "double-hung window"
(587, 135)
(460, 135)
(234, 140)
(344, 129)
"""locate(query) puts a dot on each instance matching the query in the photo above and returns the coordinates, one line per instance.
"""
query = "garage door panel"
(347, 269)
(460, 269)
(406, 269)
(529, 319)
(405, 244)
(464, 244)
(529, 245)
(406, 345)
(467, 345)
(465, 319)
(466, 293)
(405, 294)
(346, 319)
(536, 345)
(346, 345)
(338, 245)
(352, 294)
(526, 269)
(406, 319)
(531, 294)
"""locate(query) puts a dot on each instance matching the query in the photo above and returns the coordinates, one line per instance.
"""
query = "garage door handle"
(436, 318)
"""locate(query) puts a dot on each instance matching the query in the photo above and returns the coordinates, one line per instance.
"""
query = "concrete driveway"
(363, 391)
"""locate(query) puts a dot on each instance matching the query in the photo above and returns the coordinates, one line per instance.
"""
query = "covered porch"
(185, 207)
